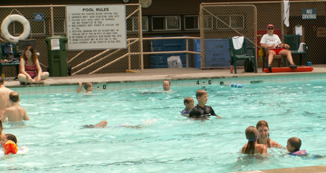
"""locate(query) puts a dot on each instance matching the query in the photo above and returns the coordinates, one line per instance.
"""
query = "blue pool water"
(172, 143)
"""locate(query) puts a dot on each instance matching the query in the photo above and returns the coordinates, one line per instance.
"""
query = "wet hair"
(14, 96)
(87, 85)
(34, 56)
(0, 128)
(295, 142)
(188, 100)
(263, 123)
(89, 126)
(168, 81)
(11, 137)
(251, 133)
(199, 93)
(1, 80)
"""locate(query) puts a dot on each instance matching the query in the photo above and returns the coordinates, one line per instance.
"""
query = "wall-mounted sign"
(321, 32)
(38, 17)
(309, 13)
(96, 27)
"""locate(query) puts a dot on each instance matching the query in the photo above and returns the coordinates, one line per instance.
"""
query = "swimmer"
(202, 111)
(251, 147)
(263, 130)
(166, 85)
(14, 113)
(293, 146)
(88, 87)
(6, 140)
(189, 103)
(103, 124)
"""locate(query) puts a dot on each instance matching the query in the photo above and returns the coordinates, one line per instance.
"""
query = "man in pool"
(201, 111)
(88, 87)
(166, 85)
(4, 95)
(14, 113)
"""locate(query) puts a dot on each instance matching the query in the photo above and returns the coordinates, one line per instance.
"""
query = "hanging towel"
(237, 42)
(286, 8)
(301, 47)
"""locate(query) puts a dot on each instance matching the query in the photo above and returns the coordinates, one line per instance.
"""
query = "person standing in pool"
(4, 96)
(263, 138)
(14, 113)
(252, 147)
(202, 111)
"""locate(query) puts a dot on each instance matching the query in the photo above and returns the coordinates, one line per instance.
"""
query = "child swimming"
(251, 147)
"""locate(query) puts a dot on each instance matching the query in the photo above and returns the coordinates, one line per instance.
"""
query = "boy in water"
(88, 87)
(201, 111)
(9, 144)
(166, 85)
(14, 113)
(293, 146)
(103, 124)
(189, 103)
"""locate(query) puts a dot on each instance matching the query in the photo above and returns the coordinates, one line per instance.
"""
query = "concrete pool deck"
(176, 74)
(161, 74)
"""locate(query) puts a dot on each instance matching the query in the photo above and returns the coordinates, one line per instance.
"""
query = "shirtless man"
(14, 113)
(4, 95)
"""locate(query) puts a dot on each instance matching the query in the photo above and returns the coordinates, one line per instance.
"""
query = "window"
(59, 26)
(191, 23)
(208, 22)
(166, 23)
(235, 21)
(132, 24)
(37, 27)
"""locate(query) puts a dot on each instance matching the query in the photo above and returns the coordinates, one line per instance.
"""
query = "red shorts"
(277, 50)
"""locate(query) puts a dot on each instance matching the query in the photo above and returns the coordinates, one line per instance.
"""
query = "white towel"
(286, 8)
(301, 47)
(237, 42)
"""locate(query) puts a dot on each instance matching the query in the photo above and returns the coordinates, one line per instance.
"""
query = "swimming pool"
(172, 143)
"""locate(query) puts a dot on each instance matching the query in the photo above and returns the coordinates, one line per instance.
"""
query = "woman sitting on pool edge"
(251, 147)
(30, 69)
(263, 138)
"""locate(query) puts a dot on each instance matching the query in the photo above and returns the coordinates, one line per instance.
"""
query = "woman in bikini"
(263, 138)
(30, 69)
(251, 147)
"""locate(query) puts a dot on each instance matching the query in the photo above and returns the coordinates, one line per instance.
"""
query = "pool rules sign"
(93, 27)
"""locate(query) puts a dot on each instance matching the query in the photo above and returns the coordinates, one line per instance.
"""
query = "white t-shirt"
(270, 40)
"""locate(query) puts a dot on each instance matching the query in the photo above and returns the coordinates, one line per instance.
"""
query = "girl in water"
(251, 147)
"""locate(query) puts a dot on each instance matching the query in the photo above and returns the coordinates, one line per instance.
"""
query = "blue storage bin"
(213, 45)
(217, 59)
(197, 48)
(158, 59)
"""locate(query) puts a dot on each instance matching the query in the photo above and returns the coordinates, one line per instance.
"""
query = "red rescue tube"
(288, 69)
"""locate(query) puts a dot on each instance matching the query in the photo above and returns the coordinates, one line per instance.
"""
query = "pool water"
(171, 143)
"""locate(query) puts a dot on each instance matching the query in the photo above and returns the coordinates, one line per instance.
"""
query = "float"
(288, 69)
(11, 18)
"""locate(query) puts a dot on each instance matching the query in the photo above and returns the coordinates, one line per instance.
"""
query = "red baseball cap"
(270, 25)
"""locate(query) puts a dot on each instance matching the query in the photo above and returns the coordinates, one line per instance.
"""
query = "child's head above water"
(189, 103)
(251, 133)
(201, 96)
(88, 86)
(14, 96)
(7, 137)
(293, 144)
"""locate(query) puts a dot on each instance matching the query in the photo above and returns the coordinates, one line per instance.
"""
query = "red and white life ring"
(19, 18)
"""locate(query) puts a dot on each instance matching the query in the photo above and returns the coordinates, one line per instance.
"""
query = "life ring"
(19, 18)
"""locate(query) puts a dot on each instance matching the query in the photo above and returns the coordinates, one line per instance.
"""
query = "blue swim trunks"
(185, 111)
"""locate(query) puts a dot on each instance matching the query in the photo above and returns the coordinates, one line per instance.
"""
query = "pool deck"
(177, 74)
(160, 74)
